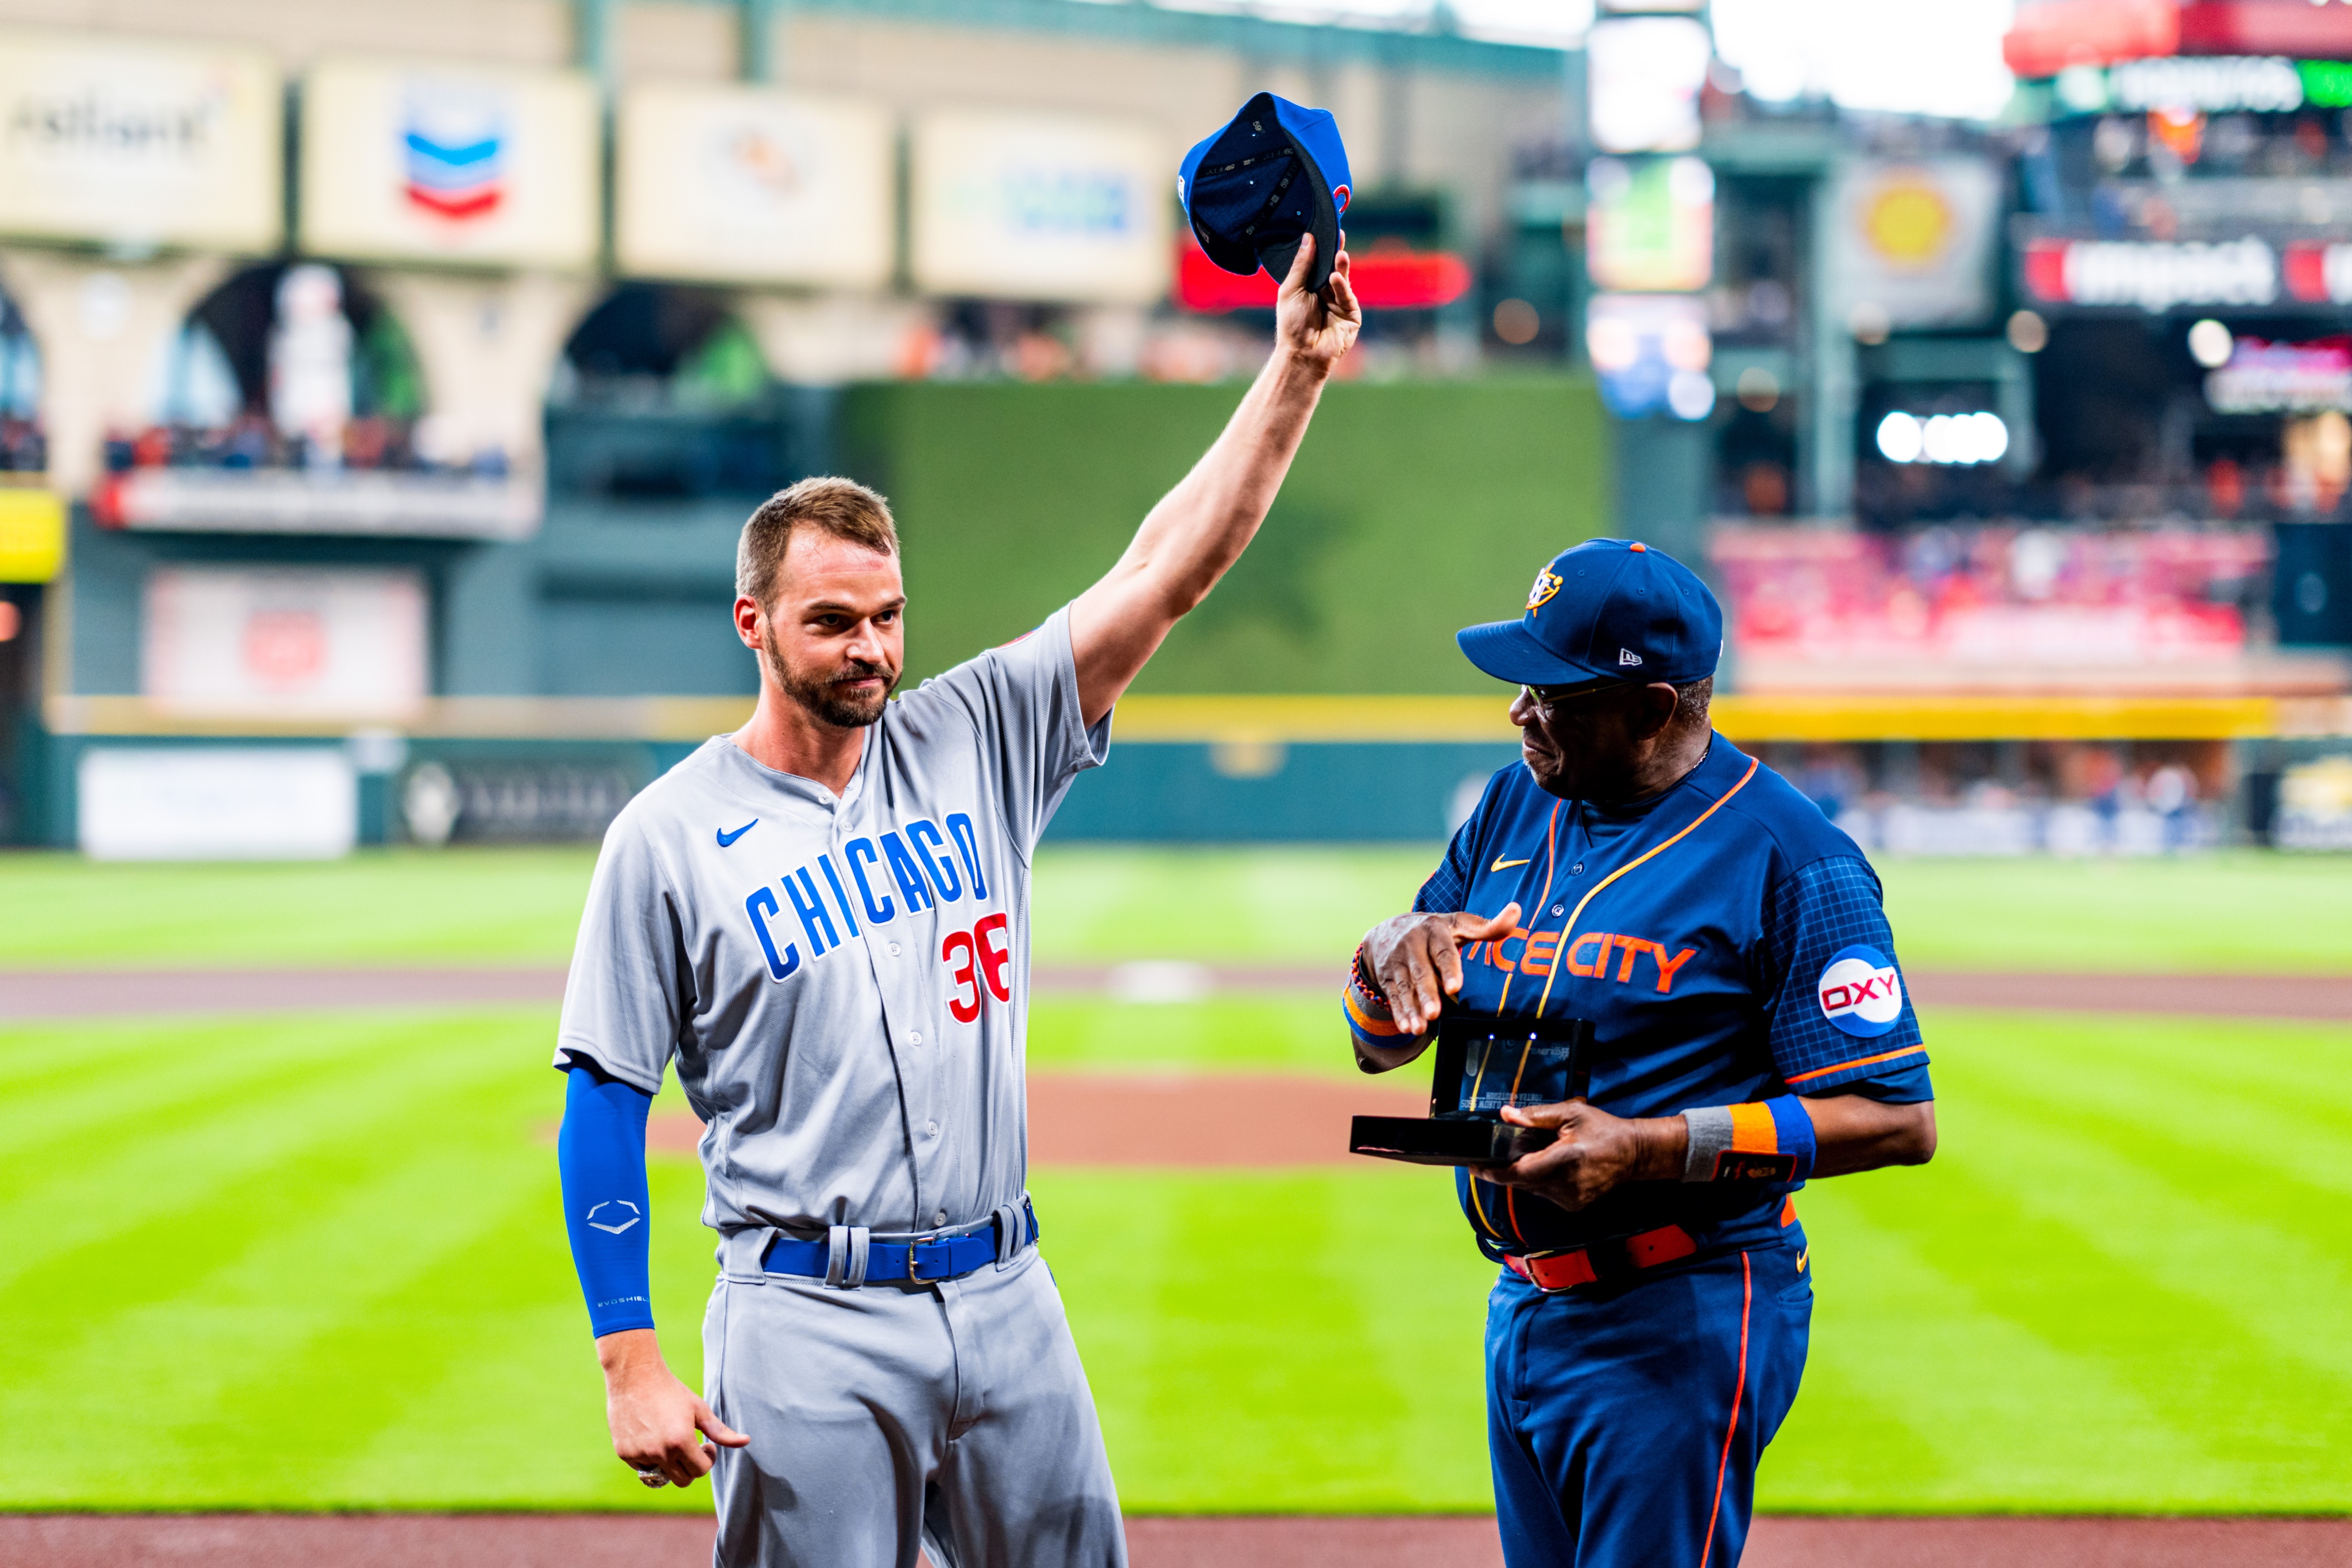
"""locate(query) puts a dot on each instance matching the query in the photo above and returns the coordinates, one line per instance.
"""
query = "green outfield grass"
(2247, 912)
(317, 1262)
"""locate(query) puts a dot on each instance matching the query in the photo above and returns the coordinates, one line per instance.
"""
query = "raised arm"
(1201, 528)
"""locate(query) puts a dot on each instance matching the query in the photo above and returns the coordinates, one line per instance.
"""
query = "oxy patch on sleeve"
(1860, 991)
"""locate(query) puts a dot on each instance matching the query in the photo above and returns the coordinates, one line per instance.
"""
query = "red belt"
(1554, 1271)
(1551, 1272)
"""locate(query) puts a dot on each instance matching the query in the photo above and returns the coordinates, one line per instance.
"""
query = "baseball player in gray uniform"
(823, 920)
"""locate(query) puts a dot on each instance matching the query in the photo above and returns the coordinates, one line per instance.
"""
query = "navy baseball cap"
(1275, 172)
(1611, 610)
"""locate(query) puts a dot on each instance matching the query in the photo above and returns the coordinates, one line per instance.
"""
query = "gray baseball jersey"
(842, 979)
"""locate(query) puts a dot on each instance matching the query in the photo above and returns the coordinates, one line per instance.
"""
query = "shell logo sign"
(1908, 221)
(1916, 239)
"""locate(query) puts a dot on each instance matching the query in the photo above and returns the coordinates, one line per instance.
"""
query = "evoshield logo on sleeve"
(612, 1224)
(1860, 992)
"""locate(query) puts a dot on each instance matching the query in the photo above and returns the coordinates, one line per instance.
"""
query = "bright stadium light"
(1898, 437)
(1945, 438)
(1959, 440)
(1992, 437)
(1691, 395)
(2209, 343)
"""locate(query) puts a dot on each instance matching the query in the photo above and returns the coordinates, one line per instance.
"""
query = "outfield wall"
(1158, 792)
(1413, 509)
(596, 650)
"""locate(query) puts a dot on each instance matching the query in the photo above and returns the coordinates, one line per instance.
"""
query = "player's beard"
(821, 694)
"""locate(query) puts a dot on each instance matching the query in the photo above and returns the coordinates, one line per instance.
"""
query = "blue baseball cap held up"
(1276, 172)
(1609, 609)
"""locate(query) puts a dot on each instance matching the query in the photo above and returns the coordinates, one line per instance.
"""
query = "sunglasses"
(1550, 699)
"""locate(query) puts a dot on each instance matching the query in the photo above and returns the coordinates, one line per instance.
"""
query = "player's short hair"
(842, 508)
(1692, 698)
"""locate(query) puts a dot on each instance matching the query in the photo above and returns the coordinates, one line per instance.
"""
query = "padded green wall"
(1414, 510)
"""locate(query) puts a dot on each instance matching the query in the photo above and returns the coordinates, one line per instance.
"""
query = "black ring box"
(1457, 1132)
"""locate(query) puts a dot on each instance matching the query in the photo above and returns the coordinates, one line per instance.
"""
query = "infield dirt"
(31, 994)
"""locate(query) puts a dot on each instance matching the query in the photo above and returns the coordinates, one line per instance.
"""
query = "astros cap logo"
(1546, 584)
(1860, 991)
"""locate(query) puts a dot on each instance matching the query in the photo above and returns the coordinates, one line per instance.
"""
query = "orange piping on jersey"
(1738, 1396)
(1479, 1204)
(1551, 867)
(1551, 864)
(1573, 914)
(1511, 1193)
(1857, 1061)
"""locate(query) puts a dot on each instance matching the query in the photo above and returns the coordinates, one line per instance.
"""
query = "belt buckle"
(915, 1257)
(1526, 1270)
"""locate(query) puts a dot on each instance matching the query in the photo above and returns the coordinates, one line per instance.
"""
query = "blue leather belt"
(942, 1255)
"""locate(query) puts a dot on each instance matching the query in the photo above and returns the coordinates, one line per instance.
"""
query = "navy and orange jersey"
(1726, 941)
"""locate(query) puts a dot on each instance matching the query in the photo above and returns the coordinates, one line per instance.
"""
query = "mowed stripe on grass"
(317, 1262)
(2244, 912)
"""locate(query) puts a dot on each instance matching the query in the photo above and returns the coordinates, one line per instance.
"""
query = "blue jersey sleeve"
(599, 1152)
(1448, 887)
(1841, 1015)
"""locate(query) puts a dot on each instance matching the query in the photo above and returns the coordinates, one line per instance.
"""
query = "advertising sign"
(1031, 207)
(1643, 75)
(2283, 378)
(746, 184)
(284, 645)
(1650, 225)
(130, 143)
(249, 802)
(2316, 806)
(2320, 273)
(32, 534)
(2151, 274)
(1916, 239)
(1650, 352)
(390, 504)
(2061, 35)
(1396, 279)
(449, 163)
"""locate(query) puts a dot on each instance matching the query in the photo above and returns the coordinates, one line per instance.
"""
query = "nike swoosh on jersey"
(1800, 1260)
(1502, 864)
(726, 838)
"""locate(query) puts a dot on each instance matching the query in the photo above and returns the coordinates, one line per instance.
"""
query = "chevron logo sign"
(454, 150)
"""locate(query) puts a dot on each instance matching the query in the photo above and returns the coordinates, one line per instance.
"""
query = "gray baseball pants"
(952, 1415)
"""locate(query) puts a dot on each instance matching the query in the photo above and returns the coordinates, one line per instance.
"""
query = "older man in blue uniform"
(1646, 1335)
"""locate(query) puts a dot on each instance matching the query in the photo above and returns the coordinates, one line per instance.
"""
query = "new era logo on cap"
(1627, 656)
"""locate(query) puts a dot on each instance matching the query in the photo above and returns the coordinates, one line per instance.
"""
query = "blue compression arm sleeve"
(601, 1153)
